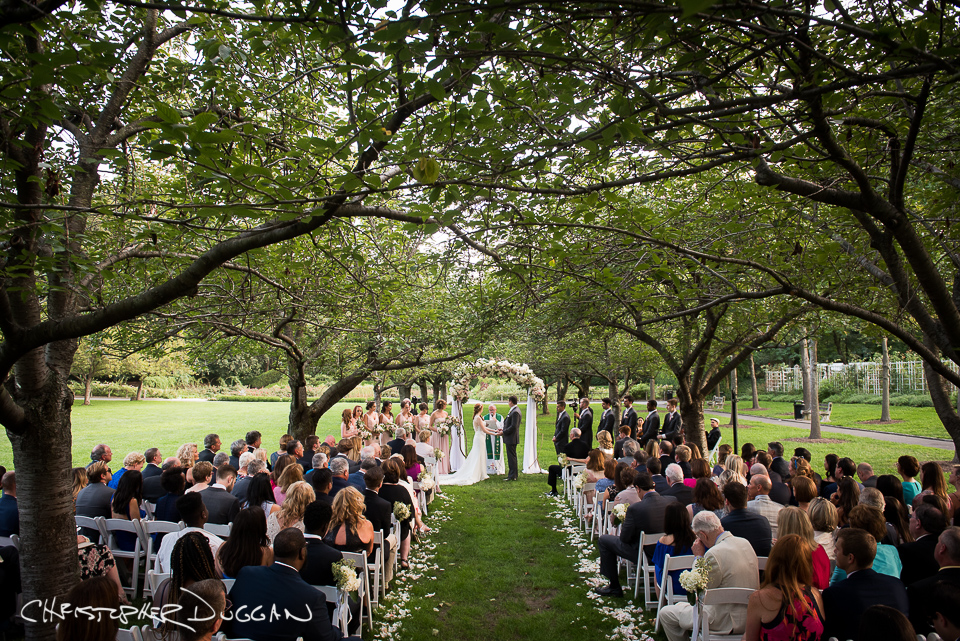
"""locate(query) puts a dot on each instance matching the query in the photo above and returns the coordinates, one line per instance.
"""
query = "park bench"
(716, 403)
(825, 410)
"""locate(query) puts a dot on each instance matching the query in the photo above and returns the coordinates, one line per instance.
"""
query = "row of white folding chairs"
(567, 475)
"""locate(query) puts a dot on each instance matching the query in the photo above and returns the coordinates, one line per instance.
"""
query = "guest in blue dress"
(677, 540)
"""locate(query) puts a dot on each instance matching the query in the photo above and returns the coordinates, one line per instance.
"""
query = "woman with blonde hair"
(823, 518)
(735, 463)
(786, 606)
(723, 452)
(132, 461)
(606, 443)
(652, 448)
(293, 473)
(793, 520)
(349, 530)
(261, 454)
(80, 480)
(188, 456)
(301, 495)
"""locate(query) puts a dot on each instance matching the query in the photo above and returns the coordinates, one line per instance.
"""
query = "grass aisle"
(503, 563)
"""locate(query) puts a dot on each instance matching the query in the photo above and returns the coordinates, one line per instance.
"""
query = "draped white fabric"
(457, 457)
(530, 463)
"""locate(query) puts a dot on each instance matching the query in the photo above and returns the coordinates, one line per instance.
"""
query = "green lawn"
(917, 421)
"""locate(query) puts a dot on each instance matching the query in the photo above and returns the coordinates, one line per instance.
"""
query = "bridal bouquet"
(437, 453)
(562, 459)
(408, 428)
(443, 427)
(580, 481)
(346, 575)
(619, 513)
(694, 581)
(365, 434)
(426, 481)
(401, 511)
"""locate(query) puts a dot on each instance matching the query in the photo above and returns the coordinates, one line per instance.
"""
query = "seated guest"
(201, 609)
(410, 463)
(946, 608)
(804, 491)
(793, 520)
(786, 606)
(247, 544)
(378, 511)
(921, 593)
(153, 487)
(609, 469)
(95, 560)
(886, 560)
(396, 445)
(349, 530)
(101, 452)
(645, 516)
(92, 594)
(260, 493)
(676, 488)
(594, 470)
(281, 587)
(191, 560)
(95, 499)
(194, 515)
(154, 462)
(677, 540)
(823, 517)
(309, 449)
(884, 622)
(79, 476)
(723, 452)
(322, 482)
(424, 449)
(577, 452)
(244, 474)
(237, 448)
(211, 445)
(221, 504)
(926, 525)
(845, 602)
(126, 505)
(317, 568)
(908, 467)
(291, 474)
(666, 455)
(340, 467)
(732, 564)
(706, 496)
(897, 518)
(699, 469)
(320, 459)
(173, 483)
(188, 455)
(605, 444)
(743, 523)
(654, 469)
(284, 441)
(202, 474)
(682, 454)
(866, 475)
(9, 512)
(631, 450)
(845, 498)
(624, 490)
(760, 502)
(291, 512)
(356, 479)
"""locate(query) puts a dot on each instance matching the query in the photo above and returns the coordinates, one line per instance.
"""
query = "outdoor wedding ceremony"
(398, 320)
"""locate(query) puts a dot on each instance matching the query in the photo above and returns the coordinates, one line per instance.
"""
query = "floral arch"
(523, 376)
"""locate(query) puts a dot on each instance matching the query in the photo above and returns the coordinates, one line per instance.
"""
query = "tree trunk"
(885, 383)
(87, 387)
(443, 390)
(545, 409)
(653, 388)
(940, 395)
(612, 391)
(424, 390)
(139, 394)
(805, 372)
(814, 392)
(403, 390)
(691, 415)
(753, 385)
(300, 423)
(48, 533)
(583, 388)
(734, 389)
(436, 390)
(562, 387)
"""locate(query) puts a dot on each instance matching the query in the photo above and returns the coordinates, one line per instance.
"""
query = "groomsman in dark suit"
(511, 438)
(607, 418)
(651, 426)
(561, 435)
(629, 416)
(586, 422)
(671, 422)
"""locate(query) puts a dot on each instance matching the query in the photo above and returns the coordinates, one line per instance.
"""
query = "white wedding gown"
(474, 469)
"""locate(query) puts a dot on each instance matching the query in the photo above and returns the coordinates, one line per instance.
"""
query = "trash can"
(798, 410)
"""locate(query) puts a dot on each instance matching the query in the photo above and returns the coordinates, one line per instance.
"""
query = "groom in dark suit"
(561, 435)
(511, 438)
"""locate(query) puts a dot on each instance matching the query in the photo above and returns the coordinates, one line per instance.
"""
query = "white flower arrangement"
(580, 481)
(345, 572)
(401, 511)
(426, 481)
(563, 460)
(519, 374)
(620, 513)
(408, 428)
(694, 581)
(365, 434)
(437, 453)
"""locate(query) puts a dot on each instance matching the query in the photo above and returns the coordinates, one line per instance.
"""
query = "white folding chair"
(157, 527)
(149, 508)
(139, 553)
(228, 584)
(601, 515)
(154, 579)
(341, 611)
(221, 530)
(644, 571)
(395, 528)
(150, 633)
(93, 523)
(360, 562)
(421, 497)
(715, 452)
(761, 563)
(377, 567)
(133, 634)
(569, 474)
(13, 540)
(583, 506)
(667, 597)
(722, 596)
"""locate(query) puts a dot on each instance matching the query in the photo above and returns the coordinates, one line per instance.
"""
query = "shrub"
(268, 378)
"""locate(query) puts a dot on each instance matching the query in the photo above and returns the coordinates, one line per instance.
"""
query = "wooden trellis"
(906, 377)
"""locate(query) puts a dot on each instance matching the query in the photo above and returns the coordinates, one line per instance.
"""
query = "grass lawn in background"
(917, 421)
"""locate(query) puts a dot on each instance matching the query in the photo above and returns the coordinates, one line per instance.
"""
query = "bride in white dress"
(474, 468)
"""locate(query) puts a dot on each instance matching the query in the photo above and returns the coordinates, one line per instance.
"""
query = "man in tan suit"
(732, 564)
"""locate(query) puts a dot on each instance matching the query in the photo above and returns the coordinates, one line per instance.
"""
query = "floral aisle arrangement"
(401, 511)
(426, 481)
(580, 481)
(437, 453)
(345, 573)
(619, 513)
(563, 460)
(522, 375)
(694, 580)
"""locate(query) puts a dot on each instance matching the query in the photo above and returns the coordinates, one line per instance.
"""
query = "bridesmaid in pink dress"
(422, 422)
(348, 428)
(442, 442)
(386, 423)
(358, 422)
(372, 420)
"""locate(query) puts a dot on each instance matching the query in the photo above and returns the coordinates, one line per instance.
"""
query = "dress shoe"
(609, 591)
(551, 493)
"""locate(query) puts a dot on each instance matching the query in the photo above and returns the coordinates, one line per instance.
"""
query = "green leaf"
(426, 171)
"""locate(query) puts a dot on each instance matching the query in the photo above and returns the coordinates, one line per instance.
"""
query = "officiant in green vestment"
(494, 456)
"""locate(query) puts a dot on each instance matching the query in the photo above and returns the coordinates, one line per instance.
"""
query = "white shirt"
(162, 564)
